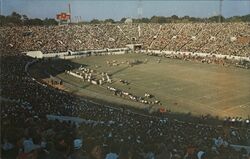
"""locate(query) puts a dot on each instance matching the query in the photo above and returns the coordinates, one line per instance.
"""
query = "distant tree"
(35, 21)
(16, 15)
(234, 19)
(14, 18)
(25, 17)
(145, 20)
(174, 17)
(123, 20)
(162, 19)
(141, 20)
(94, 21)
(216, 18)
(193, 19)
(109, 21)
(154, 19)
(2, 20)
(50, 21)
(158, 19)
(17, 19)
(186, 17)
(245, 18)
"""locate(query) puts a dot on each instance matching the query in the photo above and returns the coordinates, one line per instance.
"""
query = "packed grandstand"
(224, 38)
(105, 131)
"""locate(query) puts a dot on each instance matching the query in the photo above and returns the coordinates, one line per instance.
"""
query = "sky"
(117, 9)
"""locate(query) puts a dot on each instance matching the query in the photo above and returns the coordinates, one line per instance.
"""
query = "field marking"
(178, 89)
(208, 107)
(190, 102)
(237, 107)
(226, 98)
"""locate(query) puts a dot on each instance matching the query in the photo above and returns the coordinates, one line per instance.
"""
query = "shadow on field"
(46, 67)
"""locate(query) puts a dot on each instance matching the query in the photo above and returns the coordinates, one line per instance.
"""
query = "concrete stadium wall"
(71, 119)
(72, 56)
(59, 54)
(118, 51)
(34, 54)
(77, 54)
(92, 54)
(239, 147)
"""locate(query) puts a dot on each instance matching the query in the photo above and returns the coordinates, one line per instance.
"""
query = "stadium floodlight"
(139, 9)
(69, 12)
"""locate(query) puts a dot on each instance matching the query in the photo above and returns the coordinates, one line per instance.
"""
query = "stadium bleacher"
(225, 38)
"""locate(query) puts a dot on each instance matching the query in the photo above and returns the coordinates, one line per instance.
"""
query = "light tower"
(139, 9)
(139, 14)
(220, 11)
(69, 13)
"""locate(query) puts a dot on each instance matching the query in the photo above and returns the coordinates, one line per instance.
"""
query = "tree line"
(17, 19)
(176, 19)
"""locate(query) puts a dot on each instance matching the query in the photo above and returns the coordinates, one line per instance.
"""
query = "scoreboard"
(63, 17)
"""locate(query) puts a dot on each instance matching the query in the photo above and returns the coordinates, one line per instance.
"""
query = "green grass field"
(181, 86)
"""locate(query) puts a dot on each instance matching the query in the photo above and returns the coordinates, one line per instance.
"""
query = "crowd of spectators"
(224, 38)
(27, 133)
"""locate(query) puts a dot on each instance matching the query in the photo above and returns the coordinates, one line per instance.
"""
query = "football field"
(181, 86)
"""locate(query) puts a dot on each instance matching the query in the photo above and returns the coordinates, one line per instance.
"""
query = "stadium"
(125, 90)
(177, 85)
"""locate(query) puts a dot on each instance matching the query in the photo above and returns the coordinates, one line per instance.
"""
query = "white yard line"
(238, 107)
